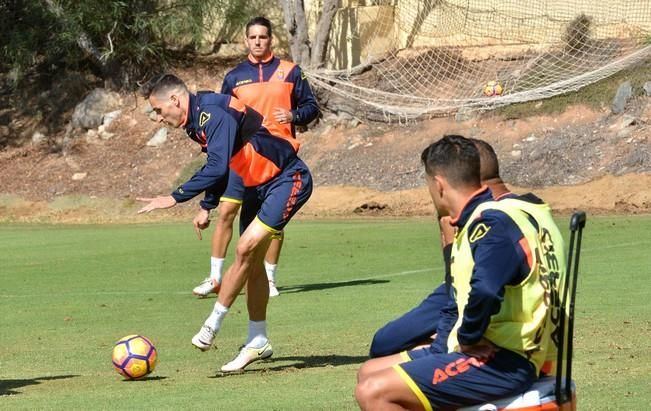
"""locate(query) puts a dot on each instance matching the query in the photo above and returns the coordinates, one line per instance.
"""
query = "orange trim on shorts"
(291, 201)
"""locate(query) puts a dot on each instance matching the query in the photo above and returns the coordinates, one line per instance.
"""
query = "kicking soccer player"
(500, 285)
(279, 91)
(277, 183)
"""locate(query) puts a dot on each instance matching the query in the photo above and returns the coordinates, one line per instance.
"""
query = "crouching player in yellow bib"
(505, 265)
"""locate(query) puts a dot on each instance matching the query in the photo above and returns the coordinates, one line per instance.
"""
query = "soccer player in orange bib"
(279, 91)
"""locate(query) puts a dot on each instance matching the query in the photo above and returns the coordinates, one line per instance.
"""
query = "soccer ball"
(134, 356)
(493, 88)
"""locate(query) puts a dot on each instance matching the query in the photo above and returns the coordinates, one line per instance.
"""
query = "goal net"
(413, 58)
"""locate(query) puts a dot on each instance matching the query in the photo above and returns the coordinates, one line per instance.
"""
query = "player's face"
(258, 41)
(168, 109)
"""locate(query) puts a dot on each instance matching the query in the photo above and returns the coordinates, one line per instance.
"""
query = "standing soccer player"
(279, 91)
(277, 184)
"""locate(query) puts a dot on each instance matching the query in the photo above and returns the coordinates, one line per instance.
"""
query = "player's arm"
(220, 130)
(209, 202)
(447, 231)
(499, 261)
(304, 104)
(447, 319)
(228, 85)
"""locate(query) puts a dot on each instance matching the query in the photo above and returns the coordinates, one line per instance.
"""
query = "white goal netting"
(412, 58)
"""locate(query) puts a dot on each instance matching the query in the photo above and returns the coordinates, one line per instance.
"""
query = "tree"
(121, 41)
(308, 53)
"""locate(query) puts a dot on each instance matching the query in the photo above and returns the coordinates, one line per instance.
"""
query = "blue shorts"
(412, 328)
(274, 203)
(454, 380)
(234, 192)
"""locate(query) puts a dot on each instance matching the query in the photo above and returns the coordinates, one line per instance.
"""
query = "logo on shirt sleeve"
(203, 118)
(479, 232)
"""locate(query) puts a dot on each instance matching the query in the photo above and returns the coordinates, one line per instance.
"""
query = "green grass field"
(69, 292)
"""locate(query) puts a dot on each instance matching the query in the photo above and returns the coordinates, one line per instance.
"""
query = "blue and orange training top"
(231, 134)
(271, 84)
(221, 125)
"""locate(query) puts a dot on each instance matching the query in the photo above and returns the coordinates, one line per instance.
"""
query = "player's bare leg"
(257, 346)
(257, 291)
(221, 238)
(386, 390)
(271, 262)
(248, 264)
(376, 364)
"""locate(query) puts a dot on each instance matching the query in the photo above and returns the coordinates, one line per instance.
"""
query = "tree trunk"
(322, 34)
(296, 26)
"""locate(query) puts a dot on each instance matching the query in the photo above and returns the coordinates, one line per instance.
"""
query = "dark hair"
(489, 166)
(160, 83)
(454, 157)
(259, 21)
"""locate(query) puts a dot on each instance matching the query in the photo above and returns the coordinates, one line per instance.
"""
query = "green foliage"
(18, 20)
(132, 38)
(69, 292)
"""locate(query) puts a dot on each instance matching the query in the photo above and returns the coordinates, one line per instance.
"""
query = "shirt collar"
(254, 61)
(190, 115)
(478, 197)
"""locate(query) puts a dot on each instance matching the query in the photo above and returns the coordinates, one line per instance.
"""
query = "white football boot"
(207, 286)
(273, 291)
(246, 356)
(204, 338)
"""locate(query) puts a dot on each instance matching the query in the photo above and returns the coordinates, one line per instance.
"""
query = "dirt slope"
(579, 159)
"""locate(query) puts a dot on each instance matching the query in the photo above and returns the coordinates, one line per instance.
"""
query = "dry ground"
(582, 158)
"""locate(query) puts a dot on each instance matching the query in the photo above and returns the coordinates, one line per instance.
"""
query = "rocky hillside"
(581, 158)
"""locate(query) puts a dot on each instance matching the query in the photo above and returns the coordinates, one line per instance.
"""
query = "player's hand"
(282, 116)
(201, 221)
(156, 202)
(484, 350)
(447, 230)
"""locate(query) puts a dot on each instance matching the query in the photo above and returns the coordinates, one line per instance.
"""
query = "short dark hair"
(162, 82)
(489, 167)
(454, 157)
(259, 21)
